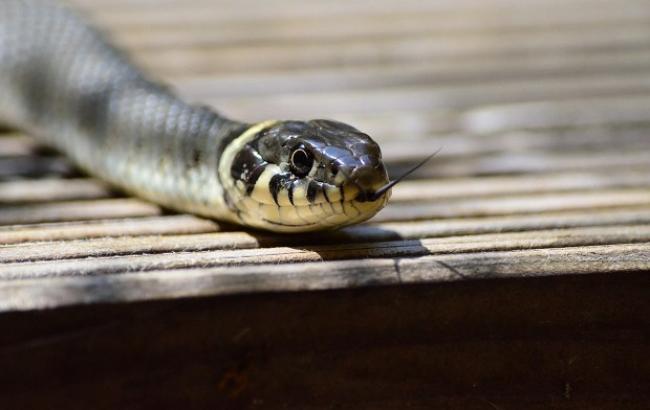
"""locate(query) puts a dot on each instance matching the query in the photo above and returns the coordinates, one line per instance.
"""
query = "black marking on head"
(324, 188)
(275, 185)
(221, 129)
(312, 189)
(290, 189)
(247, 166)
(253, 177)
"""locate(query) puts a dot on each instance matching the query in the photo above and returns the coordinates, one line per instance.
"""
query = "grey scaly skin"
(62, 82)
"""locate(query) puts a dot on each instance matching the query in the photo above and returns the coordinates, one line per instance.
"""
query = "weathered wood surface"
(513, 266)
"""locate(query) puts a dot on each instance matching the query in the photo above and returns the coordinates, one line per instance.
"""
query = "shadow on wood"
(565, 342)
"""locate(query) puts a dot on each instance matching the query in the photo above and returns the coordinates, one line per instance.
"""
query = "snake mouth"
(374, 191)
(374, 195)
(344, 205)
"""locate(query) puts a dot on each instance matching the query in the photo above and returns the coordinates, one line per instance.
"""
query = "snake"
(64, 82)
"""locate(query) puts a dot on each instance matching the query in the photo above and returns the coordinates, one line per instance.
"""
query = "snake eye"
(301, 162)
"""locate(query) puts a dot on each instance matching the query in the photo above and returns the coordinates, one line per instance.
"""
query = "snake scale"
(64, 83)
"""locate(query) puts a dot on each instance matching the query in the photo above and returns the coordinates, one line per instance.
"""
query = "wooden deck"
(510, 272)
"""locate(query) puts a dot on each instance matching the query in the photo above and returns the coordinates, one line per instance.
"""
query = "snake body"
(64, 83)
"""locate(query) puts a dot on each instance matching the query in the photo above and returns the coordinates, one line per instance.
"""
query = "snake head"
(296, 176)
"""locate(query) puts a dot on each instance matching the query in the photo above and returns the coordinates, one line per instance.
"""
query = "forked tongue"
(381, 191)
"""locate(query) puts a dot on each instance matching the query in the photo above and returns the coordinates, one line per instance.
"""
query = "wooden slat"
(196, 13)
(541, 114)
(44, 190)
(30, 166)
(185, 224)
(422, 190)
(173, 224)
(462, 96)
(126, 246)
(540, 109)
(13, 145)
(508, 205)
(516, 162)
(432, 72)
(328, 28)
(239, 240)
(383, 51)
(76, 210)
(612, 111)
(509, 223)
(42, 293)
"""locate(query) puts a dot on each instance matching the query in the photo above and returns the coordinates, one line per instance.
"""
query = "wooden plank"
(42, 293)
(426, 189)
(197, 13)
(232, 242)
(46, 190)
(156, 225)
(202, 60)
(33, 166)
(325, 28)
(576, 113)
(431, 72)
(454, 345)
(76, 210)
(524, 162)
(16, 145)
(142, 253)
(56, 251)
(186, 224)
(461, 96)
(512, 205)
(458, 137)
(508, 223)
(543, 182)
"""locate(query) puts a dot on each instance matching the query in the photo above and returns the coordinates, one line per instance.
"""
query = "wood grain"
(75, 210)
(172, 282)
(541, 117)
(509, 272)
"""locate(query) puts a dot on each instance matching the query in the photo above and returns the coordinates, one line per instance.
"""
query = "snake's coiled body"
(62, 82)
